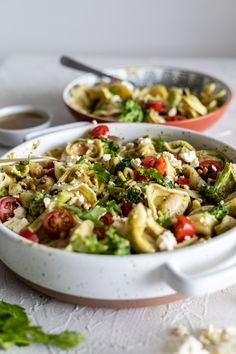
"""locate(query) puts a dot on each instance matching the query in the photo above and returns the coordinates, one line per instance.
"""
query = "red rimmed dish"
(147, 76)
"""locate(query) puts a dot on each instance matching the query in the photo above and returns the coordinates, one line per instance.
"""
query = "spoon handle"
(71, 63)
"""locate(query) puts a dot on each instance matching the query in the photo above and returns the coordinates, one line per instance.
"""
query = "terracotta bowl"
(146, 76)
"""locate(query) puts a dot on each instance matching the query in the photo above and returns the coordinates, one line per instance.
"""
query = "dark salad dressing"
(22, 120)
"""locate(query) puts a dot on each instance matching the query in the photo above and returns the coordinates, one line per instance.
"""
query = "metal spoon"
(9, 162)
(73, 64)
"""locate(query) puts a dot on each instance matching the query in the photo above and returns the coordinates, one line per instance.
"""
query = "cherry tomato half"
(57, 221)
(176, 118)
(153, 162)
(7, 207)
(32, 236)
(107, 219)
(183, 227)
(183, 180)
(155, 105)
(213, 166)
(100, 130)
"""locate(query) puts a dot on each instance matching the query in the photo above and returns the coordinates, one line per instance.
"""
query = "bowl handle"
(198, 284)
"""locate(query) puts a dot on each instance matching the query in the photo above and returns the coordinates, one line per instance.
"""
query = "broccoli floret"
(131, 111)
(111, 243)
(36, 206)
(223, 186)
(219, 211)
(117, 244)
(126, 162)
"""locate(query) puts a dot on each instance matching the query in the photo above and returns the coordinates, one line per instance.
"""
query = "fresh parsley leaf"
(16, 329)
(131, 111)
(64, 340)
(101, 173)
(93, 214)
(151, 174)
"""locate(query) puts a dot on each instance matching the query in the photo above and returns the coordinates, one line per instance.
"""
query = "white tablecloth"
(39, 80)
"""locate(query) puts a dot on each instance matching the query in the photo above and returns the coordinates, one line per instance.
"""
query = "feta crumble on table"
(210, 341)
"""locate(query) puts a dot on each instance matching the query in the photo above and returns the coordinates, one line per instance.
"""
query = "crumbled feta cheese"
(166, 241)
(90, 141)
(174, 162)
(94, 122)
(136, 162)
(86, 206)
(20, 212)
(189, 157)
(172, 112)
(80, 197)
(15, 224)
(106, 157)
(144, 140)
(46, 202)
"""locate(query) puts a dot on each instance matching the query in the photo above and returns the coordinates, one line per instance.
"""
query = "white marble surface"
(40, 80)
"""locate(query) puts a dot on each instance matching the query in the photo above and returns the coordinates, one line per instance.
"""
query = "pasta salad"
(120, 100)
(104, 196)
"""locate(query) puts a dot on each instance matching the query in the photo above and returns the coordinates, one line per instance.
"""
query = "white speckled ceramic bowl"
(119, 281)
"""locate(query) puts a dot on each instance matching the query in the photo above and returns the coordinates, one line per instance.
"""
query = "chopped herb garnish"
(134, 194)
(219, 211)
(159, 144)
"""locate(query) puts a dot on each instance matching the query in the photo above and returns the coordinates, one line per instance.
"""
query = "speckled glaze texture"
(134, 277)
(147, 76)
